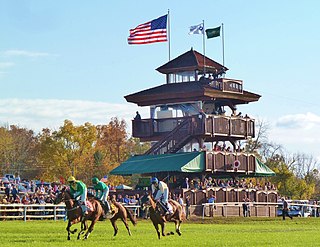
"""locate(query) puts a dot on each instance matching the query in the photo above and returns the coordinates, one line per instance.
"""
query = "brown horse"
(121, 212)
(74, 213)
(157, 215)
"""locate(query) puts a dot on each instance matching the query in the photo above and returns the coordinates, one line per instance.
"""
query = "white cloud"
(5, 65)
(302, 121)
(298, 133)
(42, 113)
(24, 53)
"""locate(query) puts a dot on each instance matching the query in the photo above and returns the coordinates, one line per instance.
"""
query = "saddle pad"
(89, 206)
(170, 208)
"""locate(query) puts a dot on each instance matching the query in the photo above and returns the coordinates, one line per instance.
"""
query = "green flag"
(213, 32)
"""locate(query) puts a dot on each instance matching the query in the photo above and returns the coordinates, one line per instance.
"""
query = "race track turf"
(210, 232)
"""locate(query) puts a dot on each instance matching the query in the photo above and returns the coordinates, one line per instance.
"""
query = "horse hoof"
(172, 233)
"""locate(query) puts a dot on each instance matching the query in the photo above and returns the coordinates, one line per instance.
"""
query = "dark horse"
(121, 212)
(74, 213)
(157, 215)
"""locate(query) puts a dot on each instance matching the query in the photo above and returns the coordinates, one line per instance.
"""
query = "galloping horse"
(121, 212)
(157, 217)
(74, 213)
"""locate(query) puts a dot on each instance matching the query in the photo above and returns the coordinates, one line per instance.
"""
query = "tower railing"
(215, 125)
(222, 161)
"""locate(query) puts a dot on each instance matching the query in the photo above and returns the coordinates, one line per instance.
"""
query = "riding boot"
(84, 210)
(107, 207)
(104, 213)
(164, 207)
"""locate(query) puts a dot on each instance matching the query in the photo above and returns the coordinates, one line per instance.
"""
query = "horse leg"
(157, 229)
(68, 229)
(90, 228)
(124, 220)
(177, 224)
(84, 226)
(162, 229)
(113, 222)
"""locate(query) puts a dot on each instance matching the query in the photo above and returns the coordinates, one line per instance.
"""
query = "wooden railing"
(229, 126)
(229, 194)
(215, 125)
(226, 85)
(220, 161)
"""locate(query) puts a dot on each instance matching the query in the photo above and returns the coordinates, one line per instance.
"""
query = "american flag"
(149, 32)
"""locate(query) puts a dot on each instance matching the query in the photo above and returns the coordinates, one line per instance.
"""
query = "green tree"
(68, 151)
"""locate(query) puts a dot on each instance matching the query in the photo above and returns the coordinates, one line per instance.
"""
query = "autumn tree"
(17, 149)
(113, 145)
(68, 151)
(296, 174)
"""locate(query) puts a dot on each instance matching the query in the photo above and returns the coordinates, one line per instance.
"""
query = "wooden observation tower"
(197, 106)
(196, 129)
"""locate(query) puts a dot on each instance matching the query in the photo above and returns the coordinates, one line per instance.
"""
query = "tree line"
(88, 150)
(297, 174)
(83, 151)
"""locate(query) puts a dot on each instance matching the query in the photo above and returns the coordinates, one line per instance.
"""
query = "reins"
(71, 199)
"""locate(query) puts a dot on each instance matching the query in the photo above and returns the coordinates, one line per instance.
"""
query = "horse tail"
(132, 219)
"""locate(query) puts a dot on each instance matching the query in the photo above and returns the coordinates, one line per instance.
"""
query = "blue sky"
(70, 60)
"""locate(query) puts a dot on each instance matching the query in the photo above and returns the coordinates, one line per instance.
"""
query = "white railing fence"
(42, 211)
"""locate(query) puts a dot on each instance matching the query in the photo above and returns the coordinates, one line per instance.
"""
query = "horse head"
(145, 201)
(58, 199)
(62, 196)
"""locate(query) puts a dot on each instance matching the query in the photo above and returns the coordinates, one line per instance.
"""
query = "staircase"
(178, 137)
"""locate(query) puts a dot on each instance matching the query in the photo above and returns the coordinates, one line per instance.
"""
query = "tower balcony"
(227, 85)
(224, 162)
(211, 127)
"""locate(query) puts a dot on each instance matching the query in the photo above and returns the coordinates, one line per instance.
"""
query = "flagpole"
(169, 34)
(204, 49)
(222, 44)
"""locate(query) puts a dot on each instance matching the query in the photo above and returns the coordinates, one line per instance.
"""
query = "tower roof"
(183, 92)
(190, 61)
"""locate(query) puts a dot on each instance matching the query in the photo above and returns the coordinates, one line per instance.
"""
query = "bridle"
(63, 199)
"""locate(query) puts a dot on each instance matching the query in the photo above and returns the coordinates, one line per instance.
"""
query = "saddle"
(163, 209)
(89, 206)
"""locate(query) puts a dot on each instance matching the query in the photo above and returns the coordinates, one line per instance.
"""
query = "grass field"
(210, 232)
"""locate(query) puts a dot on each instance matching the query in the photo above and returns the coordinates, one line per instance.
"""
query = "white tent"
(123, 187)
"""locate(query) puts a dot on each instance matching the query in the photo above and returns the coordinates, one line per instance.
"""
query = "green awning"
(262, 170)
(177, 162)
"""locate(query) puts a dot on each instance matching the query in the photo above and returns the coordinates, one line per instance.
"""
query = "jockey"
(102, 193)
(79, 189)
(160, 192)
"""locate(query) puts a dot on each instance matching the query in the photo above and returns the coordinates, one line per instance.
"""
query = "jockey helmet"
(95, 180)
(71, 179)
(154, 180)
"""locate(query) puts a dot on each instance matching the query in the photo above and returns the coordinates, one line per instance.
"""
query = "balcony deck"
(223, 162)
(212, 127)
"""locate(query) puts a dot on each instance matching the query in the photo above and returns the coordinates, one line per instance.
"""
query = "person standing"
(187, 206)
(138, 116)
(79, 191)
(245, 206)
(14, 192)
(285, 209)
(185, 184)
